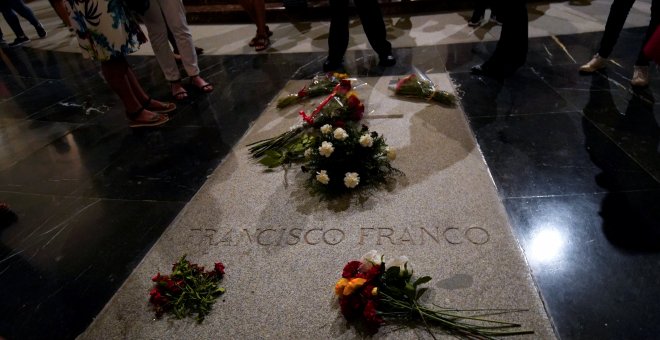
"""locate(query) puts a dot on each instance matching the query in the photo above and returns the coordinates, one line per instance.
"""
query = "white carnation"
(399, 262)
(340, 134)
(369, 259)
(326, 149)
(351, 180)
(366, 140)
(391, 153)
(326, 129)
(322, 176)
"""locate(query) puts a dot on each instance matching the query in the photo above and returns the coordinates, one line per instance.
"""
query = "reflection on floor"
(575, 159)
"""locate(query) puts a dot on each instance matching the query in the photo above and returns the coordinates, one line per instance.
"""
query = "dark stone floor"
(575, 159)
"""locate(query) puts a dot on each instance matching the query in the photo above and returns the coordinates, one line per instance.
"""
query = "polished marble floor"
(575, 160)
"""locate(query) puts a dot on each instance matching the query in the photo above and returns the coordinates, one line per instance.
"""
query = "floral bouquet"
(418, 85)
(346, 157)
(372, 292)
(321, 84)
(341, 106)
(187, 290)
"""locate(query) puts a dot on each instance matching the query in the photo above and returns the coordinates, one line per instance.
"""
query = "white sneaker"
(640, 76)
(596, 63)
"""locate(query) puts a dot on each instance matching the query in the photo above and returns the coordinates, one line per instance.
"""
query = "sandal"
(206, 88)
(261, 43)
(160, 107)
(155, 120)
(256, 37)
(180, 93)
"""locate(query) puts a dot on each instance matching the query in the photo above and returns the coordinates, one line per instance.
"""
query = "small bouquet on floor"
(372, 292)
(321, 84)
(347, 157)
(341, 106)
(187, 291)
(418, 85)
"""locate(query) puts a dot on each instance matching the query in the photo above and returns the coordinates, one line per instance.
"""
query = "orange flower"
(353, 285)
(340, 285)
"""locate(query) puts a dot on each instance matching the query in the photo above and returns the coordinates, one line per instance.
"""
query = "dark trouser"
(9, 9)
(372, 23)
(615, 20)
(511, 50)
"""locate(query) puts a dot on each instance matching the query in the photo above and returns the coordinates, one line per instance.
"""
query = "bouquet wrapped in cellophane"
(418, 85)
(321, 84)
(341, 105)
(373, 292)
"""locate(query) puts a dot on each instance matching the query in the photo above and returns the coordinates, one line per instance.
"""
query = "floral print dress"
(105, 28)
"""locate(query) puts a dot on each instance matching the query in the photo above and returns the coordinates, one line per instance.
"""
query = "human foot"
(201, 84)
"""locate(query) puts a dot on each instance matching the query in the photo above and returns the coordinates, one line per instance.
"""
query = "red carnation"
(303, 93)
(351, 269)
(351, 306)
(219, 268)
(156, 278)
(371, 314)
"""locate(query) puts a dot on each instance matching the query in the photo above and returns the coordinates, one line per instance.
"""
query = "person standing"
(511, 50)
(615, 20)
(107, 34)
(9, 9)
(371, 18)
(256, 9)
(164, 14)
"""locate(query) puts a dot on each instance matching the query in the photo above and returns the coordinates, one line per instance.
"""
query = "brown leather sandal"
(254, 40)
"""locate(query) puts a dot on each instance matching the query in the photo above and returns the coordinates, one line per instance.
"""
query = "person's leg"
(511, 50)
(11, 19)
(170, 38)
(117, 74)
(60, 9)
(615, 20)
(19, 7)
(374, 27)
(175, 17)
(642, 60)
(338, 35)
(155, 22)
(478, 13)
(641, 74)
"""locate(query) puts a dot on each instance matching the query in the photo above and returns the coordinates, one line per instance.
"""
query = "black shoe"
(19, 41)
(330, 65)
(475, 20)
(41, 31)
(387, 60)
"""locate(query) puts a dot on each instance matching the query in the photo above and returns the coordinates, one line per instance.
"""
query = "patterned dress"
(105, 28)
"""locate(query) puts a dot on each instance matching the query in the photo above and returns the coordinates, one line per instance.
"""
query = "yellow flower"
(339, 286)
(340, 75)
(353, 284)
(374, 291)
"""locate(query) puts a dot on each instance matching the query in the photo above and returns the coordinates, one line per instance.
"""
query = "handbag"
(138, 6)
(652, 47)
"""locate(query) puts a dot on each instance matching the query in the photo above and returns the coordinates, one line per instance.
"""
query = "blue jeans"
(9, 9)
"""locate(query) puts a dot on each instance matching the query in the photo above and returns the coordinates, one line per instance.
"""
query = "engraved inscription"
(377, 236)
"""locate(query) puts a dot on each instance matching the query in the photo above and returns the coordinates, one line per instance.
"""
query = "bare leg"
(116, 73)
(60, 9)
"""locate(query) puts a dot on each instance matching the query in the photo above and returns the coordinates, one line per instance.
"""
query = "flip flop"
(156, 119)
(169, 107)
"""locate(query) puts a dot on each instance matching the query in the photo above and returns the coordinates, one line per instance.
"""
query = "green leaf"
(422, 280)
(420, 292)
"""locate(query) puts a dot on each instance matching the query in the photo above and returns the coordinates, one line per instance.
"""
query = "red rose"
(154, 291)
(351, 269)
(302, 93)
(219, 269)
(158, 299)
